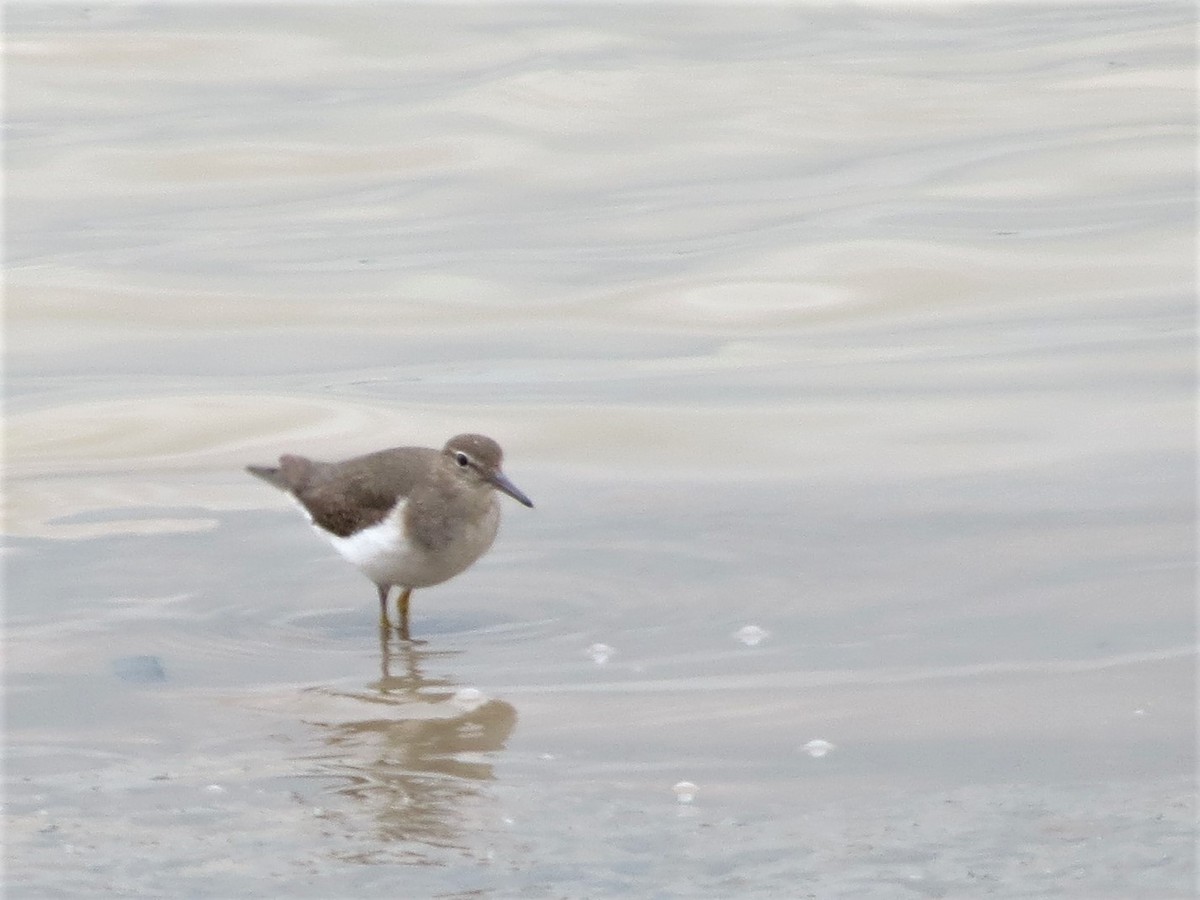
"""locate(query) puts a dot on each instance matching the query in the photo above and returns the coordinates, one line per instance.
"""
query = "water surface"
(870, 328)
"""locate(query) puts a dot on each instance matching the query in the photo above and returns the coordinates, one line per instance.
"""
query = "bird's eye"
(462, 459)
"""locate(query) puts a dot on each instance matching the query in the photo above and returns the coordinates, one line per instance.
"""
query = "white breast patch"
(382, 554)
(379, 550)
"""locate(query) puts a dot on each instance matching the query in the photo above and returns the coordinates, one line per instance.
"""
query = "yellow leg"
(383, 597)
(402, 609)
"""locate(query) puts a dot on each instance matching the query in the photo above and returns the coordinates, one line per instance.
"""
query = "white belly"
(386, 558)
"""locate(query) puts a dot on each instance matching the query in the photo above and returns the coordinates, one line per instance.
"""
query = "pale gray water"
(872, 328)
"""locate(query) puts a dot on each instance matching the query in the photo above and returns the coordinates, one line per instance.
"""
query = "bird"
(407, 517)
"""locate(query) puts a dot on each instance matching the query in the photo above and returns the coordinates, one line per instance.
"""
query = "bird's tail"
(292, 474)
(270, 474)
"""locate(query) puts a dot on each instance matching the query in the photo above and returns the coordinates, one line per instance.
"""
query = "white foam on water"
(685, 791)
(817, 748)
(469, 699)
(600, 653)
(751, 635)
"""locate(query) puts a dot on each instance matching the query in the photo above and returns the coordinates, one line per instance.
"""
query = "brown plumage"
(408, 516)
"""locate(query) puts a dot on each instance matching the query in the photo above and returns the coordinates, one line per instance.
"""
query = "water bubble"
(600, 653)
(818, 748)
(685, 791)
(751, 635)
(215, 789)
(469, 699)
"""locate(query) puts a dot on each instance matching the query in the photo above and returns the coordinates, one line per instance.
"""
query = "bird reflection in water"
(419, 760)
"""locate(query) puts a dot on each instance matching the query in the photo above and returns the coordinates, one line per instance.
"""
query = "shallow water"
(872, 329)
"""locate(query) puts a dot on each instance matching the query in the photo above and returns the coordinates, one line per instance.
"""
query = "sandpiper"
(409, 516)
